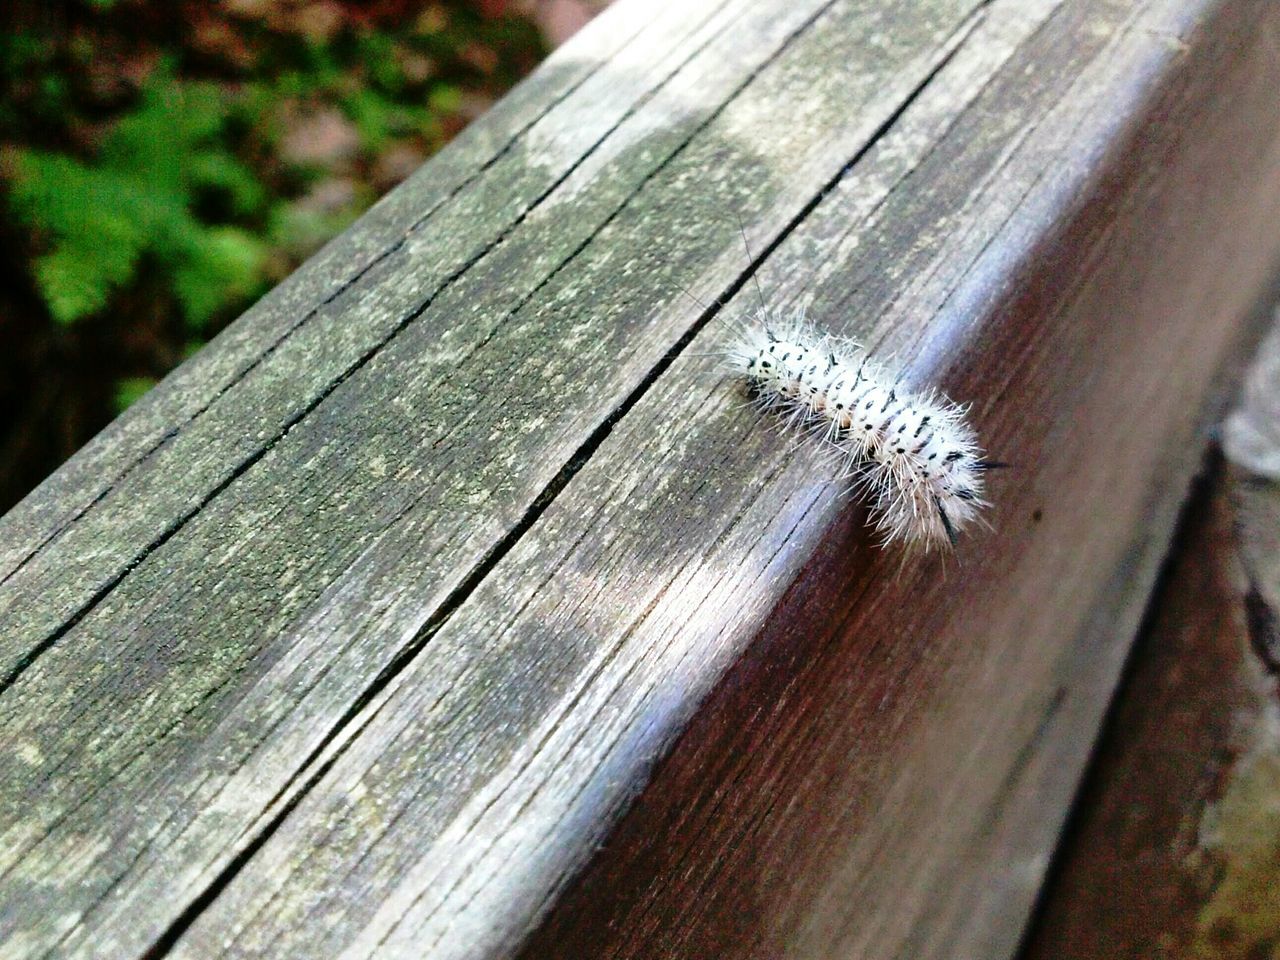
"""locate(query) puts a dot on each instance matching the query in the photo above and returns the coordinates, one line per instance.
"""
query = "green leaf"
(377, 52)
(129, 390)
(444, 98)
(374, 116)
(222, 171)
(97, 220)
(224, 266)
(92, 218)
(72, 287)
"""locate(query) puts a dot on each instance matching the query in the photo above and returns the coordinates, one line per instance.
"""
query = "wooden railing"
(453, 604)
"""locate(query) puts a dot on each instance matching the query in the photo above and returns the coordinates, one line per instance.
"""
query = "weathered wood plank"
(293, 357)
(863, 790)
(222, 613)
(885, 769)
(464, 165)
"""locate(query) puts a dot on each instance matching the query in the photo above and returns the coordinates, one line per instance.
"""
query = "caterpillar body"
(911, 454)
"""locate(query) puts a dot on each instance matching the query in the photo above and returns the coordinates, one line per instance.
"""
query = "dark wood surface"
(357, 637)
(1174, 850)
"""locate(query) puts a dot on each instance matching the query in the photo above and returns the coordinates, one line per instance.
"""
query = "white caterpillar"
(912, 454)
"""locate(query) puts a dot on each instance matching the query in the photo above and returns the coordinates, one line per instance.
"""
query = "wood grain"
(370, 654)
(885, 770)
(223, 611)
(214, 419)
(544, 720)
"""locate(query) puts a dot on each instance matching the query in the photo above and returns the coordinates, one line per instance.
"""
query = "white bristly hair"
(912, 455)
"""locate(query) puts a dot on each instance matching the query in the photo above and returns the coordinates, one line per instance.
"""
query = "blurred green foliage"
(165, 162)
(137, 198)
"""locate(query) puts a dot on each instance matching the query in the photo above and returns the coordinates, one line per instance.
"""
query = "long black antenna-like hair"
(742, 229)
